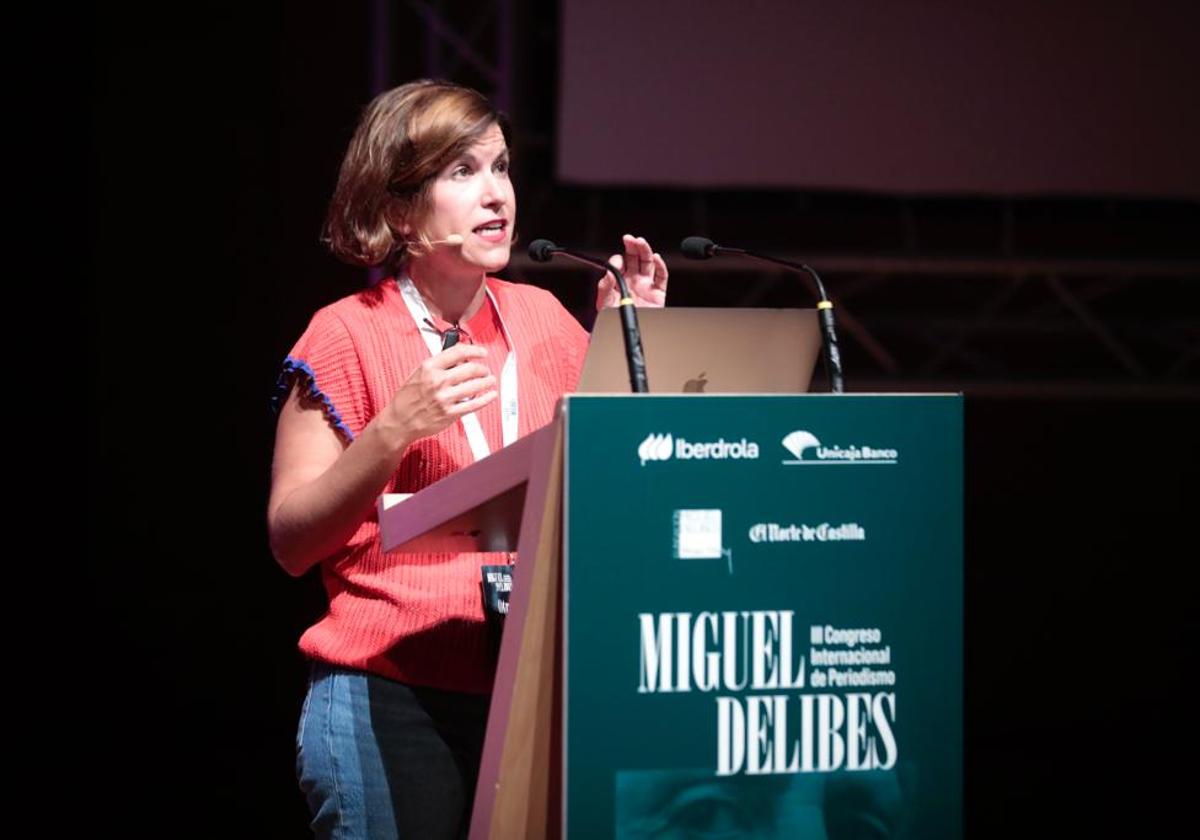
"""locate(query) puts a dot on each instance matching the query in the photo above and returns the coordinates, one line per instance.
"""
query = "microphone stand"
(832, 357)
(703, 249)
(541, 250)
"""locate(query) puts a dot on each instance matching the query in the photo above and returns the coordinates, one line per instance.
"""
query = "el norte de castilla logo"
(807, 450)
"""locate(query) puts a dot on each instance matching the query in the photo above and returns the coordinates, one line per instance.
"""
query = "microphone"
(701, 248)
(451, 239)
(542, 250)
(698, 248)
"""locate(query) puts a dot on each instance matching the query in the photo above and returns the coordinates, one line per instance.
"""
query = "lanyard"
(508, 373)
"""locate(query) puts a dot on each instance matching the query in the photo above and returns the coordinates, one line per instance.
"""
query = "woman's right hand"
(322, 489)
(442, 389)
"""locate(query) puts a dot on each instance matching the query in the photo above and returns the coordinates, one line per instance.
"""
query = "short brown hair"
(405, 138)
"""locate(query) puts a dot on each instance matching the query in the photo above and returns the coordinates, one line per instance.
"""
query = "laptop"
(707, 351)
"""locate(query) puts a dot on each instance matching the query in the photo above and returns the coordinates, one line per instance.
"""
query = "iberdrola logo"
(663, 447)
(656, 448)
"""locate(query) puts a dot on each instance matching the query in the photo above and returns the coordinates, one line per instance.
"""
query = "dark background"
(215, 134)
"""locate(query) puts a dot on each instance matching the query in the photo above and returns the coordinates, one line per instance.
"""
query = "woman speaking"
(387, 391)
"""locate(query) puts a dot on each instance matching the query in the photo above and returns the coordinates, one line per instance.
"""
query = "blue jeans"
(382, 760)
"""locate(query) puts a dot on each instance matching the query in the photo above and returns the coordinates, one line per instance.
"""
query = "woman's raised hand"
(645, 274)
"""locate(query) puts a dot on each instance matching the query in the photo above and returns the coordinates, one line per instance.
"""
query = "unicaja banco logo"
(664, 447)
(806, 449)
(799, 441)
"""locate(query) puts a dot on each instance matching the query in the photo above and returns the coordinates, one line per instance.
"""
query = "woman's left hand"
(645, 274)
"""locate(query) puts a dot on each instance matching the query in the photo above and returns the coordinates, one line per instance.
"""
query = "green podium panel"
(763, 616)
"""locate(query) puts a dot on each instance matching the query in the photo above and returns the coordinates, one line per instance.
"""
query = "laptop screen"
(708, 350)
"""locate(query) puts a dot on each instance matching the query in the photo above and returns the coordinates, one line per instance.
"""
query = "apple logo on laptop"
(695, 386)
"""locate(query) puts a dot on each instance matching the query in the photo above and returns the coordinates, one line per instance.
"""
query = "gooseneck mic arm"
(700, 248)
(543, 250)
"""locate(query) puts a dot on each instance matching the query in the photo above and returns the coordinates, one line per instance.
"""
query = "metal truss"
(468, 42)
(1115, 323)
(1078, 298)
(1039, 328)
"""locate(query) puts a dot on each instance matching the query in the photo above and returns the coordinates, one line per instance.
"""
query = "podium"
(733, 615)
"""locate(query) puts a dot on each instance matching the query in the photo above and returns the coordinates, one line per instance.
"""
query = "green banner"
(763, 616)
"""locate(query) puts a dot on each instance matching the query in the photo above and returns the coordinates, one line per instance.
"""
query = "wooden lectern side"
(511, 500)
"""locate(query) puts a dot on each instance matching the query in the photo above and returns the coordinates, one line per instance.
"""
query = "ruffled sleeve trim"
(297, 369)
